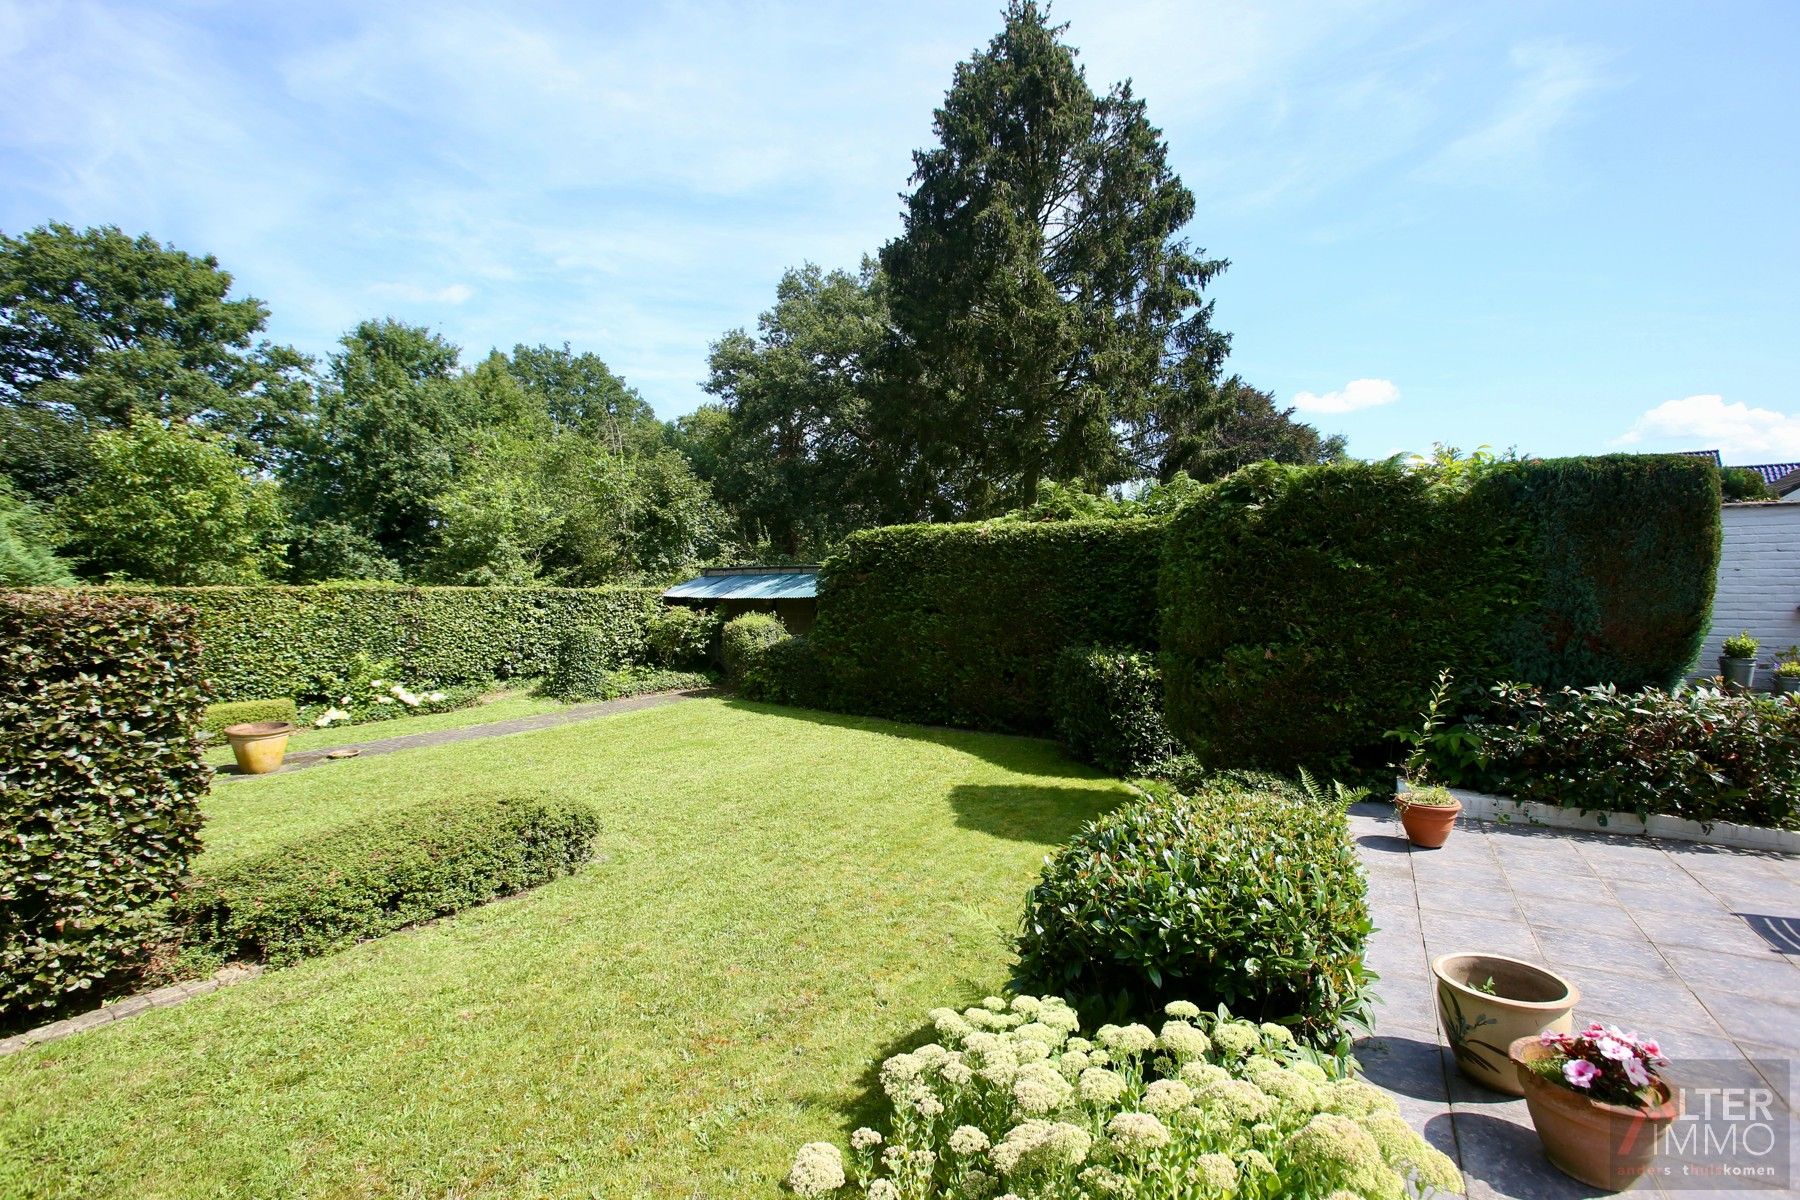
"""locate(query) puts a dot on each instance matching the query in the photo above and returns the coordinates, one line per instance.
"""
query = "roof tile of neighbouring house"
(1771, 472)
(749, 583)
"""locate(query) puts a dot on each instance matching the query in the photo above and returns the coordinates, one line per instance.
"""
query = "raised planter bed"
(1481, 806)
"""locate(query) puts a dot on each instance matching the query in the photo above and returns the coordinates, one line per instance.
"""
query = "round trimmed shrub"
(745, 642)
(1245, 897)
(1107, 706)
(681, 637)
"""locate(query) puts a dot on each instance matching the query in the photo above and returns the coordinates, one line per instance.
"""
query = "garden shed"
(790, 592)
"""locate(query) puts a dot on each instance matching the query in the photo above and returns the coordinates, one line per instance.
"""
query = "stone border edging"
(130, 1006)
(1505, 810)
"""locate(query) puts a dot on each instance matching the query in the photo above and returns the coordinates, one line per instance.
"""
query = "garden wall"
(260, 642)
(961, 624)
(1758, 584)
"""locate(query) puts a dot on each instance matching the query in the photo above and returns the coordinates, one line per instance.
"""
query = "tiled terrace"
(1661, 937)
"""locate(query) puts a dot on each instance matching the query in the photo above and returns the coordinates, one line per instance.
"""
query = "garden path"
(1694, 945)
(438, 737)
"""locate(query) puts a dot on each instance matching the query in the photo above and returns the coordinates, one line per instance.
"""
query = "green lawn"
(496, 706)
(778, 898)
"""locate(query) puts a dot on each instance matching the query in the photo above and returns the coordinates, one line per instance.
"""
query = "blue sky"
(1560, 227)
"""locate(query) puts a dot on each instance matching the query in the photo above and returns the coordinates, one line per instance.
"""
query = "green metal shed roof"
(749, 583)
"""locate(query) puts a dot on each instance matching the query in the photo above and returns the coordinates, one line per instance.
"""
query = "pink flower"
(1552, 1038)
(1634, 1071)
(1580, 1073)
(1614, 1049)
(1649, 1047)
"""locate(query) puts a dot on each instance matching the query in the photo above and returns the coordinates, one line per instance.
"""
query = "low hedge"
(239, 712)
(961, 624)
(1697, 753)
(287, 641)
(1306, 610)
(1107, 706)
(365, 880)
(100, 781)
(1246, 897)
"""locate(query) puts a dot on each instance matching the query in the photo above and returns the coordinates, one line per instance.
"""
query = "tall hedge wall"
(260, 642)
(961, 624)
(1305, 611)
(1622, 557)
(100, 781)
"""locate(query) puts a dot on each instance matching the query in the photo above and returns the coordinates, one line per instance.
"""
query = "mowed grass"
(501, 705)
(778, 898)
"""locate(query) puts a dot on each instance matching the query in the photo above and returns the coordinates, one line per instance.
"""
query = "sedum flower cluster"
(381, 692)
(1012, 1103)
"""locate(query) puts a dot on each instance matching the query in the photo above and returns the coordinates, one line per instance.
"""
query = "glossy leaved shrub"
(744, 644)
(100, 776)
(364, 880)
(1246, 897)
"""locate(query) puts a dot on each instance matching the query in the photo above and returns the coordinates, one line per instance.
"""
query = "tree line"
(1035, 338)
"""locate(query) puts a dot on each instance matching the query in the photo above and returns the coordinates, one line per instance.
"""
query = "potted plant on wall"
(1597, 1101)
(1738, 663)
(1427, 813)
(1488, 1001)
(1787, 672)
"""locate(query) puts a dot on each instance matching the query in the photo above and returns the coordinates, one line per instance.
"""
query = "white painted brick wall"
(1759, 583)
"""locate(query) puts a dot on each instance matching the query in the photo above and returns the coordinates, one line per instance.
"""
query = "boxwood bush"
(240, 712)
(289, 641)
(1251, 898)
(961, 624)
(1107, 706)
(364, 880)
(100, 778)
(1698, 753)
(744, 643)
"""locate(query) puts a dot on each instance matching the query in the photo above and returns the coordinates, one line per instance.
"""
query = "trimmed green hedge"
(961, 624)
(1621, 555)
(1305, 611)
(1108, 710)
(242, 712)
(1249, 897)
(743, 644)
(371, 878)
(283, 641)
(100, 781)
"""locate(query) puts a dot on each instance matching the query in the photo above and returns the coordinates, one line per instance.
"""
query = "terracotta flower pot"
(1427, 825)
(1526, 1000)
(259, 746)
(1606, 1145)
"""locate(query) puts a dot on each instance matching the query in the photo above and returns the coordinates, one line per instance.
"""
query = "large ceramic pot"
(259, 746)
(1488, 1001)
(1609, 1146)
(1740, 671)
(1786, 683)
(1427, 825)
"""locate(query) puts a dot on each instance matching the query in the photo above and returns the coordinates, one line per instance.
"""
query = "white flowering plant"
(1012, 1102)
(367, 691)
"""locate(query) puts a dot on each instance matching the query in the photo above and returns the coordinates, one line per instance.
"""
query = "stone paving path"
(1660, 937)
(413, 741)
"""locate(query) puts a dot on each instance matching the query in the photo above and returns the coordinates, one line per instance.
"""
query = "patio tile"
(1478, 900)
(1503, 1159)
(1555, 885)
(1448, 933)
(1649, 898)
(1726, 933)
(1751, 1017)
(1407, 1066)
(1576, 949)
(1768, 975)
(1651, 1005)
(1597, 915)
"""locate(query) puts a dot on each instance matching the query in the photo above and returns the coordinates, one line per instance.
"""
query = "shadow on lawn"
(1015, 752)
(1045, 815)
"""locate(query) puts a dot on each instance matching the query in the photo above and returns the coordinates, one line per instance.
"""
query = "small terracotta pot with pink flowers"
(1597, 1101)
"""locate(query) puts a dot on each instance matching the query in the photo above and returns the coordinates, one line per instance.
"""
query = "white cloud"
(454, 293)
(1358, 393)
(1706, 422)
(1553, 79)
